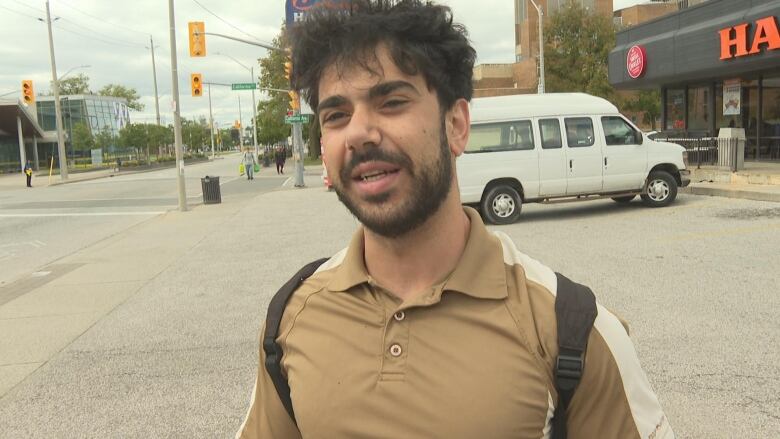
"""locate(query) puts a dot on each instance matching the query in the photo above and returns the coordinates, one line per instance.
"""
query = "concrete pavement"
(759, 181)
(153, 332)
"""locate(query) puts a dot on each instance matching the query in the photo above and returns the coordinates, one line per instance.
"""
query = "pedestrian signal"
(196, 83)
(197, 38)
(28, 94)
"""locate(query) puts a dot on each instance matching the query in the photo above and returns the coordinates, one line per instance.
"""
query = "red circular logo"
(636, 61)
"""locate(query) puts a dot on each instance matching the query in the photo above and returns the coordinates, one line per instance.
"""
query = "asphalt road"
(697, 282)
(42, 224)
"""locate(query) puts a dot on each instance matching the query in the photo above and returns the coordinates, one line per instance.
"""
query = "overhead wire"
(28, 6)
(20, 13)
(101, 20)
(102, 35)
(91, 37)
(226, 22)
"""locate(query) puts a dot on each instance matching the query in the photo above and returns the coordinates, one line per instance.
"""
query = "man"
(248, 159)
(280, 156)
(427, 325)
(28, 172)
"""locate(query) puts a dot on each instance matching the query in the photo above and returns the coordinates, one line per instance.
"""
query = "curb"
(112, 174)
(732, 193)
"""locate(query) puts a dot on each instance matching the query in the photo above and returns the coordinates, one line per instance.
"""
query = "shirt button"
(395, 350)
(399, 316)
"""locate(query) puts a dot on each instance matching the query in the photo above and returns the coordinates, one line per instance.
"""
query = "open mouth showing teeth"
(376, 175)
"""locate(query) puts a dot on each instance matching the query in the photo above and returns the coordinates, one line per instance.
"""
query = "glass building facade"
(717, 64)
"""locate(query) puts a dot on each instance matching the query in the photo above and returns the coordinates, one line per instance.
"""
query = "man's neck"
(410, 264)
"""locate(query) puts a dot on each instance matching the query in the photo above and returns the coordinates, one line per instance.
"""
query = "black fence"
(710, 151)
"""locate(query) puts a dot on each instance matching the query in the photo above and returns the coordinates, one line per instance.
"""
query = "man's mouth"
(374, 175)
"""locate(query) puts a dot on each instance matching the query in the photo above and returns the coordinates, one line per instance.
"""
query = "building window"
(699, 116)
(675, 109)
(505, 136)
(770, 130)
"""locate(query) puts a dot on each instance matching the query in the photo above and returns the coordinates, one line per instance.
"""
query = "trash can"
(210, 187)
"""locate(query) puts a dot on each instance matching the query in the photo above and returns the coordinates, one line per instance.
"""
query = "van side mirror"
(639, 137)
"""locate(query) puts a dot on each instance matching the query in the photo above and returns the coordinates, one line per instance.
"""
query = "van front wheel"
(660, 189)
(501, 205)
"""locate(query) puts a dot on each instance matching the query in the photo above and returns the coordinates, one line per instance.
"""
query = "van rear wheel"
(660, 189)
(501, 205)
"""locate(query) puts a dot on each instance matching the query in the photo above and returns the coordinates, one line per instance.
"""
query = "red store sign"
(636, 61)
(736, 38)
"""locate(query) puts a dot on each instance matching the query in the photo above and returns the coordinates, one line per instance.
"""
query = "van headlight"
(685, 158)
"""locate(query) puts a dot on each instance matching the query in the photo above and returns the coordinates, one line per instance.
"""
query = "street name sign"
(301, 118)
(244, 86)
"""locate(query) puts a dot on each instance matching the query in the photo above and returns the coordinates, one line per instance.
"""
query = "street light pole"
(539, 11)
(176, 114)
(63, 160)
(211, 123)
(154, 73)
(254, 103)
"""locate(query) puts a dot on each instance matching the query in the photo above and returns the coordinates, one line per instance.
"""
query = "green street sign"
(301, 118)
(244, 86)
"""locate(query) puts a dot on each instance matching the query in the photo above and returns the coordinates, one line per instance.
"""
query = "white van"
(561, 147)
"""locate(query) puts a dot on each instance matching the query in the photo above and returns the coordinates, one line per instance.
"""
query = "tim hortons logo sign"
(636, 61)
(734, 40)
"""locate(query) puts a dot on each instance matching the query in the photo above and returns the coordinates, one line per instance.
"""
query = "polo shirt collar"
(480, 273)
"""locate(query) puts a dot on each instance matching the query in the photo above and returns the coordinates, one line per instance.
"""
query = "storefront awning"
(9, 111)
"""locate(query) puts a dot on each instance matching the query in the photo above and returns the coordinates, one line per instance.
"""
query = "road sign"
(301, 118)
(244, 86)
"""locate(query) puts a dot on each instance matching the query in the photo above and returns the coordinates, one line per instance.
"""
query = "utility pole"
(297, 135)
(176, 114)
(154, 72)
(240, 125)
(211, 123)
(254, 110)
(539, 11)
(63, 159)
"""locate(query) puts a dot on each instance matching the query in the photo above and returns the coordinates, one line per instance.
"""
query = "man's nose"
(363, 129)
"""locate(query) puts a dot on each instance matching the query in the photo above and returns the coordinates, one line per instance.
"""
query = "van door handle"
(605, 162)
(570, 164)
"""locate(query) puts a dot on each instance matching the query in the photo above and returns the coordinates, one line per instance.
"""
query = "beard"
(431, 184)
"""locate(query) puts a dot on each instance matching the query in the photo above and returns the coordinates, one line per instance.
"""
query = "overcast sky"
(112, 38)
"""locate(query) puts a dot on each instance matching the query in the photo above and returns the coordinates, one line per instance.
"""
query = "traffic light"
(237, 125)
(28, 94)
(196, 84)
(287, 69)
(295, 102)
(197, 38)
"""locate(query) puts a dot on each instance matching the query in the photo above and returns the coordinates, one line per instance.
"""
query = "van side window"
(550, 131)
(579, 132)
(617, 131)
(503, 136)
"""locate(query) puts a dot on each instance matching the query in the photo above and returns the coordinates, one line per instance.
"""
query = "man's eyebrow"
(386, 88)
(332, 101)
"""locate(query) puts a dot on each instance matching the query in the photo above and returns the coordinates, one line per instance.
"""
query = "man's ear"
(458, 125)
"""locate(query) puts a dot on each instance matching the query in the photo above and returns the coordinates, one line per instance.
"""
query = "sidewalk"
(759, 181)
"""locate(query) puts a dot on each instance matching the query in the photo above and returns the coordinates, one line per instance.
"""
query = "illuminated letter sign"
(636, 61)
(736, 38)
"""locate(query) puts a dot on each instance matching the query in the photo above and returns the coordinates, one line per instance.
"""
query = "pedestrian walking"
(280, 156)
(427, 325)
(28, 172)
(248, 159)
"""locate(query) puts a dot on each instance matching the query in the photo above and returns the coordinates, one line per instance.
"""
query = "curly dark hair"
(420, 36)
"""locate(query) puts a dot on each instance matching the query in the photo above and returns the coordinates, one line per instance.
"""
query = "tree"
(194, 134)
(647, 102)
(576, 49)
(82, 138)
(105, 139)
(75, 85)
(120, 91)
(270, 114)
(134, 136)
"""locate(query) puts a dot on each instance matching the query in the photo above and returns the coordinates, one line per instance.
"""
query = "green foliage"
(576, 49)
(134, 135)
(271, 113)
(105, 139)
(159, 135)
(647, 102)
(75, 85)
(120, 91)
(82, 137)
(194, 134)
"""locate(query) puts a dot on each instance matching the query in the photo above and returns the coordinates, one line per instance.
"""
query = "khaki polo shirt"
(471, 357)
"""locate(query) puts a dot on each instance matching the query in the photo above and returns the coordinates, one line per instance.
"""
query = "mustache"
(374, 154)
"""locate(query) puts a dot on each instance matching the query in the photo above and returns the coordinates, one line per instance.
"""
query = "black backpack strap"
(273, 352)
(575, 312)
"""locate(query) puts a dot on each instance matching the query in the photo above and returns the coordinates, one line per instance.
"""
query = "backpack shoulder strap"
(273, 352)
(575, 312)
